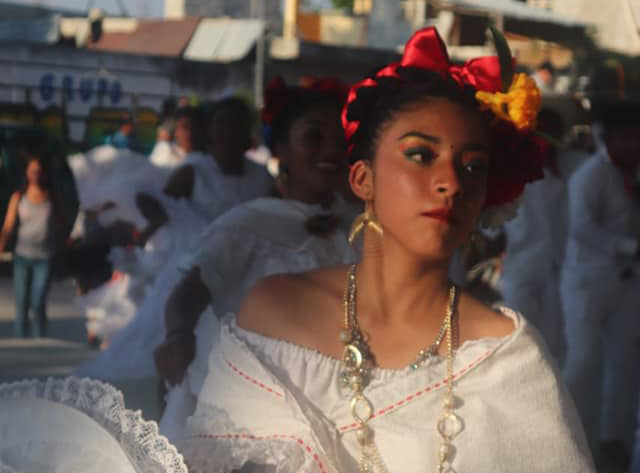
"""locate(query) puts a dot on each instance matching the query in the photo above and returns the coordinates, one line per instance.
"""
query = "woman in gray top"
(35, 214)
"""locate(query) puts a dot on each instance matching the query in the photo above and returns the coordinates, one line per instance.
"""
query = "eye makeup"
(419, 154)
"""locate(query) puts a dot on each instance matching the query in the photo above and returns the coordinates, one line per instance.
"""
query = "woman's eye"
(419, 155)
(477, 166)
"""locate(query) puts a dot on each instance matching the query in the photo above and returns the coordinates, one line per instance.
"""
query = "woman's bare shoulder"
(279, 302)
(479, 321)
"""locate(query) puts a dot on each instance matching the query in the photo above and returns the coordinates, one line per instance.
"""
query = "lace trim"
(213, 443)
(148, 451)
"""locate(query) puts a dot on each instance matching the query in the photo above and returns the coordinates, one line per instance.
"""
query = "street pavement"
(55, 355)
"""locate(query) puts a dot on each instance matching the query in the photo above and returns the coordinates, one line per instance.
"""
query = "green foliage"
(343, 4)
(504, 56)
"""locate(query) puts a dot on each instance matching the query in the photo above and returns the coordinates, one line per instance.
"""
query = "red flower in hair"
(277, 94)
(517, 158)
(276, 97)
(518, 155)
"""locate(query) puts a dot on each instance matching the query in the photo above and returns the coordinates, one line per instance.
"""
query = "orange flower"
(520, 105)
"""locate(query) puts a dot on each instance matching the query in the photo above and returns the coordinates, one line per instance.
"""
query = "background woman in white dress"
(384, 366)
(304, 229)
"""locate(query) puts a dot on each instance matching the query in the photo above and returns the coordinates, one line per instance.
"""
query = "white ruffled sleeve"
(78, 425)
(229, 431)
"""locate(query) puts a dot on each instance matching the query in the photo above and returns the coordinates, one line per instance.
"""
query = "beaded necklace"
(358, 364)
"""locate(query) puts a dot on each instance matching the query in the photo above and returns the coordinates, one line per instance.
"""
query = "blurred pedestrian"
(166, 153)
(535, 246)
(124, 137)
(544, 76)
(601, 284)
(35, 214)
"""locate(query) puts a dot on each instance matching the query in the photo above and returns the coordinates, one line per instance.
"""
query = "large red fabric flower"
(518, 155)
(278, 95)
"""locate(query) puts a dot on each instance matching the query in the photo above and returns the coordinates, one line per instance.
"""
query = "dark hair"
(198, 126)
(301, 101)
(375, 106)
(616, 114)
(44, 161)
(234, 105)
(550, 121)
(546, 65)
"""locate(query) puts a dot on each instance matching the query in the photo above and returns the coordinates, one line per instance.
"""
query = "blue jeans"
(31, 279)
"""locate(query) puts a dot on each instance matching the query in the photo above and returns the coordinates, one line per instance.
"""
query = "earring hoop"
(366, 219)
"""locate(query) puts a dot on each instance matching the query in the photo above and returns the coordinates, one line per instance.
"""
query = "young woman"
(385, 365)
(214, 183)
(36, 213)
(305, 229)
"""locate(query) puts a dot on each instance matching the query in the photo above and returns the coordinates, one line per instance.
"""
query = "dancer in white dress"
(74, 425)
(166, 153)
(209, 188)
(600, 291)
(306, 229)
(385, 366)
(216, 182)
(129, 354)
(536, 240)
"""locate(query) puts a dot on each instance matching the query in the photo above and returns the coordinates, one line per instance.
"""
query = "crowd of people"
(309, 322)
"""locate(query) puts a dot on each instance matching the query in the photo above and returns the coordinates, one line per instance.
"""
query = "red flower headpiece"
(518, 156)
(277, 94)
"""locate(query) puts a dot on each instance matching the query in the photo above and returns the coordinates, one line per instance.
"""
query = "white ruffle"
(495, 216)
(148, 451)
(242, 450)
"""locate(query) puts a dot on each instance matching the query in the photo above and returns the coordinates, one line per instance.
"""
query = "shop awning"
(223, 40)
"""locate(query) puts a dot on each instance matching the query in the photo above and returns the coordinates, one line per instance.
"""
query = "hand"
(174, 355)
(122, 233)
(151, 209)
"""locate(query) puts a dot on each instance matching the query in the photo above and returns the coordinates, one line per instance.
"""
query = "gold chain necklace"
(358, 363)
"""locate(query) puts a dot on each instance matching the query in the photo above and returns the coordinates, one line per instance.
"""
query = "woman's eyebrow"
(423, 136)
(475, 147)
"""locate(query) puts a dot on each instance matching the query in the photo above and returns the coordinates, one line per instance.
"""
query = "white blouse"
(270, 405)
(215, 192)
(252, 241)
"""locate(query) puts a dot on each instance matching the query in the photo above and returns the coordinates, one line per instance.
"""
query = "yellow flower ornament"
(519, 105)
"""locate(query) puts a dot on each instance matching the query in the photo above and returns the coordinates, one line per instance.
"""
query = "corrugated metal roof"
(154, 38)
(514, 9)
(223, 40)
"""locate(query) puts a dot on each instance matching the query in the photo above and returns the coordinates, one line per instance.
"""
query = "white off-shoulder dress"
(267, 405)
(252, 241)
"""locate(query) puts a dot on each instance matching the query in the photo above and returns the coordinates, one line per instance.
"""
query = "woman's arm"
(156, 216)
(187, 302)
(180, 183)
(9, 220)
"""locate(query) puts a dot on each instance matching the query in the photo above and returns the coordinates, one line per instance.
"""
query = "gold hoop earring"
(366, 219)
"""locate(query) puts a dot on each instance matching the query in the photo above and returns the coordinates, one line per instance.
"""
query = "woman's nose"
(446, 180)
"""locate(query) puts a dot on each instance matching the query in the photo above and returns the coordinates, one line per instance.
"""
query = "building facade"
(616, 27)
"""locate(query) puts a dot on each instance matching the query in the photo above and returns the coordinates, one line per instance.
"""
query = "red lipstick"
(444, 215)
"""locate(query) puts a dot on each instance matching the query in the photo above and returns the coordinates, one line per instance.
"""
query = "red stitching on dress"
(414, 396)
(315, 456)
(252, 380)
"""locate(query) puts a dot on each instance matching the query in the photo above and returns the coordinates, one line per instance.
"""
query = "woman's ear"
(361, 180)
(281, 152)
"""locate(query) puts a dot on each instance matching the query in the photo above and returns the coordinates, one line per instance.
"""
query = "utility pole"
(257, 8)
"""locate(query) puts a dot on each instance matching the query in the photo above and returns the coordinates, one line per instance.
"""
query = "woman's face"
(315, 153)
(182, 134)
(34, 172)
(429, 177)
